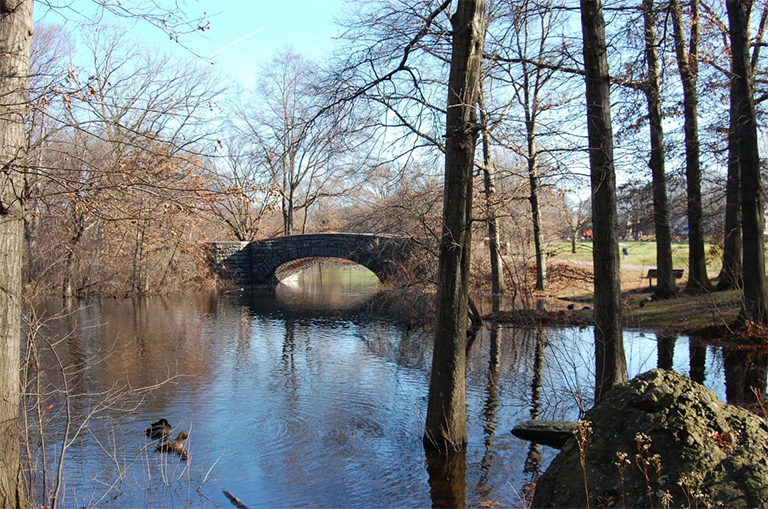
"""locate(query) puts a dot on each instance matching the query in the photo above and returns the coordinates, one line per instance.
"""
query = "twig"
(235, 501)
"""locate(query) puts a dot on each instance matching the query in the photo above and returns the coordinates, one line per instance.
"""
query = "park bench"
(654, 274)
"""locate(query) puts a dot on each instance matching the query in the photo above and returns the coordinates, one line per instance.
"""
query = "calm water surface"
(292, 398)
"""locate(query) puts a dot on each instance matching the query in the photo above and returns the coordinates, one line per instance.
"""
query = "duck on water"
(175, 446)
(161, 430)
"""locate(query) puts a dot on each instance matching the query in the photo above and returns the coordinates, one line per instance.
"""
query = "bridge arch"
(256, 262)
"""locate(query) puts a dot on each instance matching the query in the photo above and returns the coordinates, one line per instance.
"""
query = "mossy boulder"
(709, 453)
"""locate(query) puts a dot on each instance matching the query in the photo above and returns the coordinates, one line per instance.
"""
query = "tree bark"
(446, 413)
(730, 273)
(15, 37)
(533, 180)
(755, 301)
(687, 61)
(665, 287)
(489, 179)
(610, 363)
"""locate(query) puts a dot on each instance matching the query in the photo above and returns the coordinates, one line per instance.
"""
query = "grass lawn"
(681, 313)
(641, 254)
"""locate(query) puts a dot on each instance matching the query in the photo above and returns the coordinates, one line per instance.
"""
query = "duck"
(175, 446)
(159, 430)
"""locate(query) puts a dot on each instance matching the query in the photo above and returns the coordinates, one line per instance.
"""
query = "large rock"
(710, 453)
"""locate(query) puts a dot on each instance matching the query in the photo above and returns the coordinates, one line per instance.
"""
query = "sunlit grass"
(641, 253)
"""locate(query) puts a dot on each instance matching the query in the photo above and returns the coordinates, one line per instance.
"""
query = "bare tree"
(299, 138)
(744, 137)
(118, 160)
(576, 212)
(665, 286)
(15, 36)
(610, 363)
(446, 427)
(533, 24)
(240, 199)
(717, 51)
(491, 204)
(688, 64)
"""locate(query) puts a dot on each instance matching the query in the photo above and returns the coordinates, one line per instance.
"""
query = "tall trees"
(527, 58)
(688, 64)
(446, 423)
(731, 272)
(610, 363)
(295, 136)
(15, 37)
(665, 286)
(745, 142)
(491, 205)
(532, 25)
(241, 199)
(119, 158)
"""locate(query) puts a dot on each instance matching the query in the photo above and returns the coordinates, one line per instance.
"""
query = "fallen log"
(551, 433)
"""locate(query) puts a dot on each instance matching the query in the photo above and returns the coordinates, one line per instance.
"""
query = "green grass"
(641, 253)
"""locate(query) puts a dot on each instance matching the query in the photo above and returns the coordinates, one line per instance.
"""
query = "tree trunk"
(687, 62)
(755, 301)
(730, 273)
(288, 214)
(15, 36)
(533, 179)
(665, 287)
(489, 179)
(446, 420)
(610, 363)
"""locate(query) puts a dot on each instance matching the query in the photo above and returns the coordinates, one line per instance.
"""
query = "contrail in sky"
(225, 48)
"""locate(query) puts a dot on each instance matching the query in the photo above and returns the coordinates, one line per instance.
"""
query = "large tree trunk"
(610, 364)
(489, 179)
(730, 273)
(15, 36)
(687, 62)
(446, 413)
(755, 301)
(665, 287)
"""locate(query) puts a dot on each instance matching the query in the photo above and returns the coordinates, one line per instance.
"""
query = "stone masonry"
(256, 262)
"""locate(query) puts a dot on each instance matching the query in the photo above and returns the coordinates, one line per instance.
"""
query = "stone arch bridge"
(256, 262)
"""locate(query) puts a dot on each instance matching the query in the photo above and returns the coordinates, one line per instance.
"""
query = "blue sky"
(245, 33)
(262, 28)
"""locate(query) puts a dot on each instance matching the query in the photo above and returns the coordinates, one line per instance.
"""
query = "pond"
(294, 398)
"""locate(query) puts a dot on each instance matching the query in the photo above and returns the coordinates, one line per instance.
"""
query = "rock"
(552, 433)
(710, 453)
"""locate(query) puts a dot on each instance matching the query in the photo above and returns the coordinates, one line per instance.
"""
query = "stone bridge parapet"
(256, 262)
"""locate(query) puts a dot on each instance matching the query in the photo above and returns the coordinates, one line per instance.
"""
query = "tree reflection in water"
(698, 358)
(490, 419)
(666, 350)
(745, 373)
(447, 478)
(532, 468)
